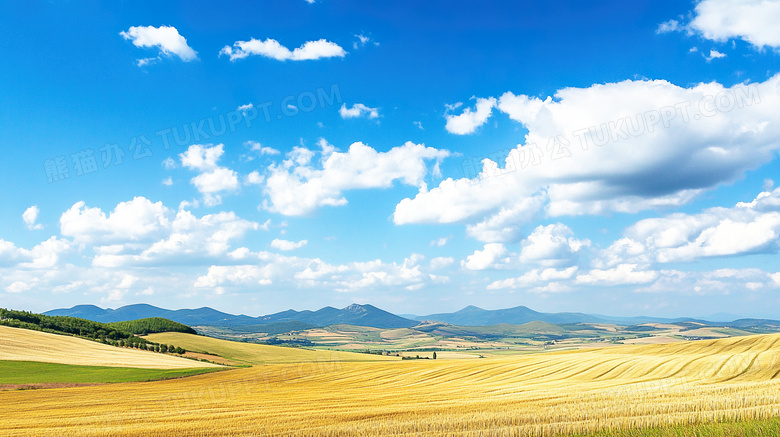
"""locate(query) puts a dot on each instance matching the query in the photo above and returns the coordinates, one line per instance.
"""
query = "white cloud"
(165, 38)
(200, 157)
(714, 282)
(552, 287)
(754, 21)
(169, 163)
(288, 245)
(143, 62)
(184, 239)
(358, 110)
(620, 275)
(440, 242)
(441, 262)
(312, 273)
(18, 287)
(615, 147)
(135, 220)
(216, 180)
(271, 48)
(504, 226)
(140, 232)
(492, 256)
(469, 120)
(552, 245)
(213, 179)
(254, 178)
(669, 26)
(296, 187)
(244, 108)
(534, 277)
(260, 149)
(749, 227)
(714, 54)
(361, 41)
(30, 217)
(45, 255)
(168, 181)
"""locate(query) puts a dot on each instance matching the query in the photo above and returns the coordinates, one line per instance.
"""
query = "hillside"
(256, 354)
(151, 325)
(29, 345)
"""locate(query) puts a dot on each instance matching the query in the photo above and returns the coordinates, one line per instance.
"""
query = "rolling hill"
(257, 354)
(28, 345)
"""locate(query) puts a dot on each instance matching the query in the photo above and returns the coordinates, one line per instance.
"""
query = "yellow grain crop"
(528, 395)
(27, 345)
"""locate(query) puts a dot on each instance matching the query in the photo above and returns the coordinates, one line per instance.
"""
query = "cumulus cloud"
(441, 262)
(166, 38)
(260, 149)
(440, 242)
(139, 219)
(358, 110)
(213, 179)
(45, 255)
(622, 274)
(714, 54)
(504, 225)
(536, 277)
(142, 232)
(297, 186)
(754, 21)
(469, 120)
(271, 48)
(552, 245)
(30, 217)
(288, 245)
(254, 178)
(492, 256)
(273, 268)
(615, 147)
(669, 26)
(185, 238)
(746, 228)
(169, 163)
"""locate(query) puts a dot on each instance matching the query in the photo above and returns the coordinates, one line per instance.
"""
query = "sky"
(617, 158)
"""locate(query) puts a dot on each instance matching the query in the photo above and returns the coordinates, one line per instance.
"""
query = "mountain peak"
(357, 308)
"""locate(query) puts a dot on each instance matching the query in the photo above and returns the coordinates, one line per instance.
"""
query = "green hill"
(151, 325)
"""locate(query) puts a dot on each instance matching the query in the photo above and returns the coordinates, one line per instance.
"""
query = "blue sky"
(617, 158)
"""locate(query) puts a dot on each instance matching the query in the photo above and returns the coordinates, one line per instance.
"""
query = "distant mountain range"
(371, 316)
(475, 316)
(359, 315)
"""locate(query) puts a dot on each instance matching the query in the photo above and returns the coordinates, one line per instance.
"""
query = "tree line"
(110, 334)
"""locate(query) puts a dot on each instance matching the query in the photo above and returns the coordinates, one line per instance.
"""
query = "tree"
(434, 355)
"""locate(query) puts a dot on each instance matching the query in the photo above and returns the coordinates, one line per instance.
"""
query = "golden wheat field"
(252, 353)
(528, 395)
(27, 345)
